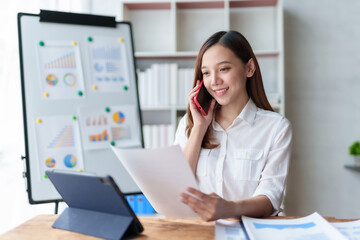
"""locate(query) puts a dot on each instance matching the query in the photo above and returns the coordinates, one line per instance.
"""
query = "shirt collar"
(247, 114)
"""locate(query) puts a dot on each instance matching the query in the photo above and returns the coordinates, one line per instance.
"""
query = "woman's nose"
(215, 79)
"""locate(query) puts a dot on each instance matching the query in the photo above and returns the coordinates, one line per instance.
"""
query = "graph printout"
(60, 67)
(113, 125)
(109, 64)
(349, 229)
(311, 227)
(230, 230)
(58, 143)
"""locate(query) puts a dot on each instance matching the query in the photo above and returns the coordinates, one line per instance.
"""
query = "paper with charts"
(162, 174)
(310, 227)
(61, 72)
(114, 125)
(349, 229)
(109, 64)
(230, 230)
(58, 143)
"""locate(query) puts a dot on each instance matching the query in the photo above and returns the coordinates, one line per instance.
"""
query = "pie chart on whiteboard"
(119, 117)
(52, 80)
(70, 161)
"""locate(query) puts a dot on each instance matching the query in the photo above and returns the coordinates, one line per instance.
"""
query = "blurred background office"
(322, 85)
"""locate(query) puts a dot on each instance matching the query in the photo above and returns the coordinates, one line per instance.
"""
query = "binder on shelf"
(139, 204)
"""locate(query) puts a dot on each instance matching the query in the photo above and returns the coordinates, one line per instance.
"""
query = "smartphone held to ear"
(203, 99)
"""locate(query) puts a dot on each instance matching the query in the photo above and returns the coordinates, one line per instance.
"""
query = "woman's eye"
(224, 69)
(205, 73)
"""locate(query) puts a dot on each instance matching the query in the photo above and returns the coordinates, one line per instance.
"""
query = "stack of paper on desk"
(311, 227)
(162, 175)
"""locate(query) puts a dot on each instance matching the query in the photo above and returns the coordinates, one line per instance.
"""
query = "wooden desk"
(155, 228)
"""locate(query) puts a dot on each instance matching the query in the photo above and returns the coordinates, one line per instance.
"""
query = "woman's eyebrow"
(222, 62)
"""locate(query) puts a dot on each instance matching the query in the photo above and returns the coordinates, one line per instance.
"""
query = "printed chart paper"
(311, 227)
(351, 229)
(109, 64)
(162, 175)
(58, 143)
(60, 70)
(230, 230)
(115, 125)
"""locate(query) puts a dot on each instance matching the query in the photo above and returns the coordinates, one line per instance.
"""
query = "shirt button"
(222, 155)
(219, 180)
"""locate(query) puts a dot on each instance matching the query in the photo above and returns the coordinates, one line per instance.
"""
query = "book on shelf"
(156, 136)
(164, 84)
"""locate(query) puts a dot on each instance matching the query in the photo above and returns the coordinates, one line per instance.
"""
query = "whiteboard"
(80, 96)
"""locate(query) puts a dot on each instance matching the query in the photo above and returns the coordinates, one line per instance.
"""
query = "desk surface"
(155, 228)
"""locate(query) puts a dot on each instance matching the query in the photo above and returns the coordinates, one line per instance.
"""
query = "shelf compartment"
(195, 25)
(268, 66)
(152, 26)
(258, 25)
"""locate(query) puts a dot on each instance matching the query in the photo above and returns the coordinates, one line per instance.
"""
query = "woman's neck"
(227, 114)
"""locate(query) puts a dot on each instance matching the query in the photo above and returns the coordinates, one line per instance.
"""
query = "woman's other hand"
(209, 207)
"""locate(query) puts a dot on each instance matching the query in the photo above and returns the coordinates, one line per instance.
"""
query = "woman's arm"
(211, 207)
(193, 147)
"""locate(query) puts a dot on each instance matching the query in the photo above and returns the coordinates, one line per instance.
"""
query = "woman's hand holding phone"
(198, 117)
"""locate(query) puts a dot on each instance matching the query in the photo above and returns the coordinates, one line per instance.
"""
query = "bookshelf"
(170, 32)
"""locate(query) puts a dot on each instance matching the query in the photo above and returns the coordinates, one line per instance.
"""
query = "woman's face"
(225, 75)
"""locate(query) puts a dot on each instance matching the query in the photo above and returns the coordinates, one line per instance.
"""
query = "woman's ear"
(250, 68)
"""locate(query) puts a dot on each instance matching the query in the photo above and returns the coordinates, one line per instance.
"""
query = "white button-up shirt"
(252, 157)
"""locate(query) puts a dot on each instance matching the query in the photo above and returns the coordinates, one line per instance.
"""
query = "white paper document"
(351, 230)
(230, 230)
(311, 227)
(162, 175)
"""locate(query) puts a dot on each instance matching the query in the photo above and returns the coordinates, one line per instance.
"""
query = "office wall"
(322, 64)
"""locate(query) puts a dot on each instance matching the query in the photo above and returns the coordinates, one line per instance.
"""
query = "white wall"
(322, 70)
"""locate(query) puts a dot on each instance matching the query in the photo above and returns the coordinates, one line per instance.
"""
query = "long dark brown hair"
(238, 44)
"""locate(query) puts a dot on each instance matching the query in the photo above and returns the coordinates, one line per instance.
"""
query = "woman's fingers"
(194, 90)
(197, 193)
(195, 204)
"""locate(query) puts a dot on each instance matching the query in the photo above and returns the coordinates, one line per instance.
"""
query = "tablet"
(97, 207)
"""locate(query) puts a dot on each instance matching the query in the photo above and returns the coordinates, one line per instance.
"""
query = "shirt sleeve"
(180, 136)
(273, 176)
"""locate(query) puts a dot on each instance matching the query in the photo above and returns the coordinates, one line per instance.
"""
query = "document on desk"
(310, 227)
(349, 229)
(162, 174)
(233, 230)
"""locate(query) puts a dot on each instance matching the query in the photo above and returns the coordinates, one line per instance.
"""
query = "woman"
(240, 151)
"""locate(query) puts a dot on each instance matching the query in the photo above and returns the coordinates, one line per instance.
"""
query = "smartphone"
(203, 99)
